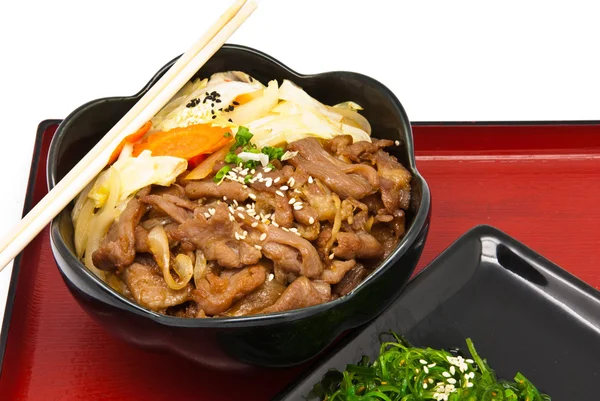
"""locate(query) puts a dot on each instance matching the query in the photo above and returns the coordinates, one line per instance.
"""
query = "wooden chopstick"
(150, 104)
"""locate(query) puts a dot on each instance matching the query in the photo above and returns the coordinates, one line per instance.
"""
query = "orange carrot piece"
(195, 161)
(130, 139)
(185, 142)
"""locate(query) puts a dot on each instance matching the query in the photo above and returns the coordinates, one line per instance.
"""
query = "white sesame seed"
(244, 172)
(431, 365)
(472, 375)
(245, 233)
(297, 192)
(294, 229)
(241, 216)
(258, 247)
(266, 216)
(252, 196)
(271, 277)
(423, 361)
(254, 224)
(267, 170)
(425, 385)
(252, 171)
(251, 212)
(311, 220)
(231, 217)
(285, 229)
(469, 384)
(263, 236)
(276, 180)
(397, 143)
(331, 256)
(224, 198)
(310, 179)
(291, 181)
(430, 380)
(451, 381)
(452, 370)
(297, 206)
(269, 182)
(279, 193)
(245, 186)
(211, 211)
(207, 215)
(425, 369)
(284, 187)
(275, 224)
(446, 374)
(417, 370)
(240, 208)
(236, 235)
(235, 202)
(292, 201)
(468, 360)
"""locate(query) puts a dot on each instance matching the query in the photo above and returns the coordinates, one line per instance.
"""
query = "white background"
(445, 60)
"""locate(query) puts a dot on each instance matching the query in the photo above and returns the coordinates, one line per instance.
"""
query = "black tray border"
(35, 164)
(478, 231)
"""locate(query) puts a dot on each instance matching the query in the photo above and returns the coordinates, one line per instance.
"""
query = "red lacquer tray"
(538, 182)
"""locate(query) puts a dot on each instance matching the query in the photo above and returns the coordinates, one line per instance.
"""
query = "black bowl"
(275, 340)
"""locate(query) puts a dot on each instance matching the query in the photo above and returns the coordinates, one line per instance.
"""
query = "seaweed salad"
(406, 373)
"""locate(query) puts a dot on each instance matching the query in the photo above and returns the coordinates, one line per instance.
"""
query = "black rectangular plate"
(523, 313)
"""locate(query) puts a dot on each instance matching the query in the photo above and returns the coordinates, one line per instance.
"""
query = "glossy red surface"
(539, 184)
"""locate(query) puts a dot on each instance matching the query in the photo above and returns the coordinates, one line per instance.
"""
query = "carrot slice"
(185, 142)
(129, 139)
(195, 161)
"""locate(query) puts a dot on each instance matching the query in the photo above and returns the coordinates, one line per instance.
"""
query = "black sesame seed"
(218, 100)
(212, 112)
(251, 79)
(212, 105)
(214, 117)
(230, 120)
(236, 103)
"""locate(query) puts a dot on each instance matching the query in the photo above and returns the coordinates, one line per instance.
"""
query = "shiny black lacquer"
(524, 314)
(275, 340)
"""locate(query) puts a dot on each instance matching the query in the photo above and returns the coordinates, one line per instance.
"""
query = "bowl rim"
(418, 224)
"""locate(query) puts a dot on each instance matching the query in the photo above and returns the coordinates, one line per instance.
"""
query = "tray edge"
(28, 204)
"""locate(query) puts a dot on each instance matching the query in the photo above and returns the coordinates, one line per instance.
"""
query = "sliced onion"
(199, 267)
(257, 108)
(352, 118)
(185, 270)
(258, 157)
(80, 201)
(337, 222)
(206, 167)
(102, 220)
(158, 242)
(288, 155)
(82, 225)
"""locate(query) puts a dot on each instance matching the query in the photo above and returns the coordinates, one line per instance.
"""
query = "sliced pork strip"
(301, 293)
(117, 249)
(150, 289)
(214, 295)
